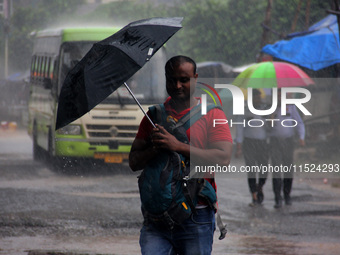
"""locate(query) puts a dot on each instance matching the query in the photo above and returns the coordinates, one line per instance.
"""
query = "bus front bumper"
(86, 150)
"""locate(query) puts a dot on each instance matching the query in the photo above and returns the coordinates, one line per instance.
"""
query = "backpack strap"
(160, 115)
(194, 115)
(187, 121)
(158, 112)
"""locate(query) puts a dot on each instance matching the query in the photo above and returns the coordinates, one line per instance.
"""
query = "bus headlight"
(70, 130)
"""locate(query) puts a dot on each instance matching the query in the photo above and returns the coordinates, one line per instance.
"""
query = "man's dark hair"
(176, 61)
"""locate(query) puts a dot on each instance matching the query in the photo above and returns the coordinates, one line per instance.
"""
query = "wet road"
(96, 210)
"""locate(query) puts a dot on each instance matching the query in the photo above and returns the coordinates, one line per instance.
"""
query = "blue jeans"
(194, 236)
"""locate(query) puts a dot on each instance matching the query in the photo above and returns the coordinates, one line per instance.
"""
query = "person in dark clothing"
(252, 142)
(282, 144)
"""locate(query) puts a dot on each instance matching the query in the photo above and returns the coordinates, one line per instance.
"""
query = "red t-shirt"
(200, 134)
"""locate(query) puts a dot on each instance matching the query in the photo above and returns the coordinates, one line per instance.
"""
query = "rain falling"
(68, 121)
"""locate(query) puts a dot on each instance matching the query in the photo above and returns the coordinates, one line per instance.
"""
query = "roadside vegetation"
(213, 30)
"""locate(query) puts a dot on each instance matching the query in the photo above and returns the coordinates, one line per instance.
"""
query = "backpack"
(168, 194)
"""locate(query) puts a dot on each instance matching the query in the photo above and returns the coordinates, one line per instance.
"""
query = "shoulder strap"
(158, 112)
(192, 116)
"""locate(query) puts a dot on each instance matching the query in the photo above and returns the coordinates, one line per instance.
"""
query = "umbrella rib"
(140, 106)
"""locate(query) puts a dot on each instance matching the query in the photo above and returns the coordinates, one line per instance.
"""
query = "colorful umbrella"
(272, 75)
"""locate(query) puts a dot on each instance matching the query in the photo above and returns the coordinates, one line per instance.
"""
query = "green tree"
(27, 19)
(231, 31)
(213, 30)
(216, 30)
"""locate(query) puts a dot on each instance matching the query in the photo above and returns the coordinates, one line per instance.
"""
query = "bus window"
(35, 67)
(71, 54)
(51, 69)
(32, 66)
(42, 70)
(40, 64)
(47, 67)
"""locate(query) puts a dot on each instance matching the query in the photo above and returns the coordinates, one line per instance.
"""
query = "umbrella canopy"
(272, 75)
(316, 48)
(110, 63)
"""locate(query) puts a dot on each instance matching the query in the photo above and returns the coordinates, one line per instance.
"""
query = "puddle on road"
(124, 245)
(262, 245)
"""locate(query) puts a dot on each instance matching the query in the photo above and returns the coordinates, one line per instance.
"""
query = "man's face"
(178, 82)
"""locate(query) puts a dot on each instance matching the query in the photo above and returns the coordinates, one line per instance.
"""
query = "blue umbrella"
(315, 49)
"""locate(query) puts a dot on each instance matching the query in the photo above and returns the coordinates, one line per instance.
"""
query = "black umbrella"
(109, 64)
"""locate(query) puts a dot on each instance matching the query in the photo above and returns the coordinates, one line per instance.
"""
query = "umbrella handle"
(140, 106)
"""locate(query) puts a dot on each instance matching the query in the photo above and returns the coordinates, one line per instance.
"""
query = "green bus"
(106, 132)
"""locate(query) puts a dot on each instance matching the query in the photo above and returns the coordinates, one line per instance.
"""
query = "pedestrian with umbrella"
(208, 146)
(108, 65)
(282, 137)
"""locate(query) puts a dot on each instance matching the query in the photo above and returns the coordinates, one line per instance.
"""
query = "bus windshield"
(147, 84)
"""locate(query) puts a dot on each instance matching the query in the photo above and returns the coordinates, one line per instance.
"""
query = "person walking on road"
(252, 142)
(209, 145)
(282, 144)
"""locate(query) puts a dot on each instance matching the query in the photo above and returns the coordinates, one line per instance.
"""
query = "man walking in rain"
(208, 146)
(252, 142)
(282, 144)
